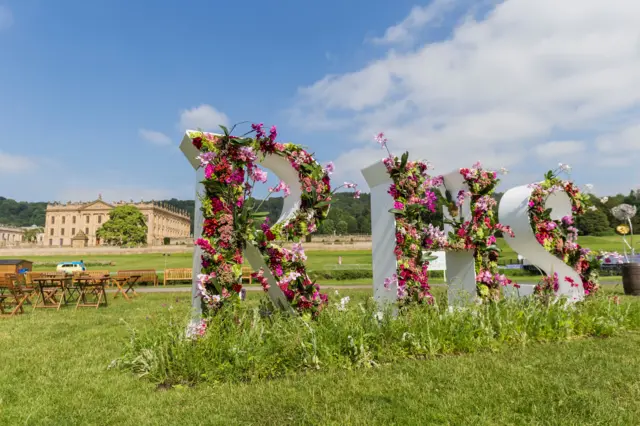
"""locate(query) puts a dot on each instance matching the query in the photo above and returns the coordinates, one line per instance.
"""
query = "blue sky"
(95, 95)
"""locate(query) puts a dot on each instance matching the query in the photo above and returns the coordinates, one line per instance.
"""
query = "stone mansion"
(75, 224)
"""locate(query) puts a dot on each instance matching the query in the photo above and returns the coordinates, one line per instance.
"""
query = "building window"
(61, 241)
(53, 220)
(87, 218)
(86, 231)
(62, 231)
(51, 231)
(99, 219)
(73, 220)
(64, 219)
(73, 231)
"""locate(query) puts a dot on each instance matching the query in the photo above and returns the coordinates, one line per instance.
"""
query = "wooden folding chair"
(91, 285)
(11, 297)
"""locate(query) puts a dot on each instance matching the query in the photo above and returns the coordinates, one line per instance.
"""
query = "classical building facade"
(64, 221)
(10, 235)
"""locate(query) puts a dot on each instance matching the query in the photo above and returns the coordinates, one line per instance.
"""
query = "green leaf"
(323, 204)
(225, 130)
(260, 214)
(397, 211)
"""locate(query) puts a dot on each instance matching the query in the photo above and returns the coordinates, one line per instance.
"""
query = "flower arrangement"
(231, 168)
(413, 191)
(478, 232)
(413, 199)
(559, 237)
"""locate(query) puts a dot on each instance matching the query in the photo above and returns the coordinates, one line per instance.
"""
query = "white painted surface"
(461, 277)
(513, 211)
(383, 232)
(439, 264)
(281, 168)
(461, 271)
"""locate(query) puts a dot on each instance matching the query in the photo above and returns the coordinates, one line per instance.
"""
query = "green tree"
(328, 227)
(593, 222)
(31, 235)
(352, 225)
(341, 227)
(126, 227)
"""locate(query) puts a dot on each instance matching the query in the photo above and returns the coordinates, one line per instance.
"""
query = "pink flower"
(398, 205)
(281, 187)
(380, 139)
(208, 171)
(273, 133)
(350, 185)
(356, 194)
(258, 175)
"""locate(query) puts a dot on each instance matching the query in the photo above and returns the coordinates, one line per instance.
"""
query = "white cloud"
(6, 18)
(203, 117)
(154, 137)
(530, 71)
(626, 139)
(559, 150)
(418, 18)
(15, 164)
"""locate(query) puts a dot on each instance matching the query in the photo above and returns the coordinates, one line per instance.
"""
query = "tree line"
(347, 215)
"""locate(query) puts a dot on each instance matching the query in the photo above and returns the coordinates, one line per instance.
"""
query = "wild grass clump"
(245, 344)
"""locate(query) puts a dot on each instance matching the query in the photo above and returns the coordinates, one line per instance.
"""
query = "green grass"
(54, 371)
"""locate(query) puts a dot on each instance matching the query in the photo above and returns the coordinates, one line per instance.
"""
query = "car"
(71, 267)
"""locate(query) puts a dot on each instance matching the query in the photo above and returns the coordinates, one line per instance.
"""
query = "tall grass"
(244, 344)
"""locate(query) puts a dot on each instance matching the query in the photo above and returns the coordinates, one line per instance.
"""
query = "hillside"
(347, 215)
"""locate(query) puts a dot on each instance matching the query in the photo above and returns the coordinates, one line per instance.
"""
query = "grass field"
(317, 260)
(54, 371)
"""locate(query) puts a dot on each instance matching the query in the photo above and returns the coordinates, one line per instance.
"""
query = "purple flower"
(398, 205)
(388, 282)
(273, 133)
(205, 158)
(329, 168)
(356, 194)
(259, 130)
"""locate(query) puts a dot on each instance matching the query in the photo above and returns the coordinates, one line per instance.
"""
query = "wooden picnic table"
(128, 282)
(91, 285)
(53, 291)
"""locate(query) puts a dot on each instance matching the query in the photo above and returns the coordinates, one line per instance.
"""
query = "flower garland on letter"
(559, 237)
(413, 198)
(231, 171)
(478, 234)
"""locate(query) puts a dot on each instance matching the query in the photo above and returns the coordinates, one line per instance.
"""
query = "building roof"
(12, 261)
(80, 236)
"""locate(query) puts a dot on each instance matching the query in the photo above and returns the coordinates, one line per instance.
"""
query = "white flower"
(378, 315)
(604, 199)
(564, 167)
(215, 298)
(336, 292)
(343, 303)
(504, 170)
(593, 208)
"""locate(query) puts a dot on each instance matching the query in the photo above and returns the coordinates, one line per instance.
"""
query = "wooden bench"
(93, 274)
(246, 274)
(177, 274)
(146, 275)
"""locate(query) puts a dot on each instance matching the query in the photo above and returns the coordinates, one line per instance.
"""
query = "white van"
(71, 267)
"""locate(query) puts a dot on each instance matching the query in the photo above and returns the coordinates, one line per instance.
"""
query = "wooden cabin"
(14, 266)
